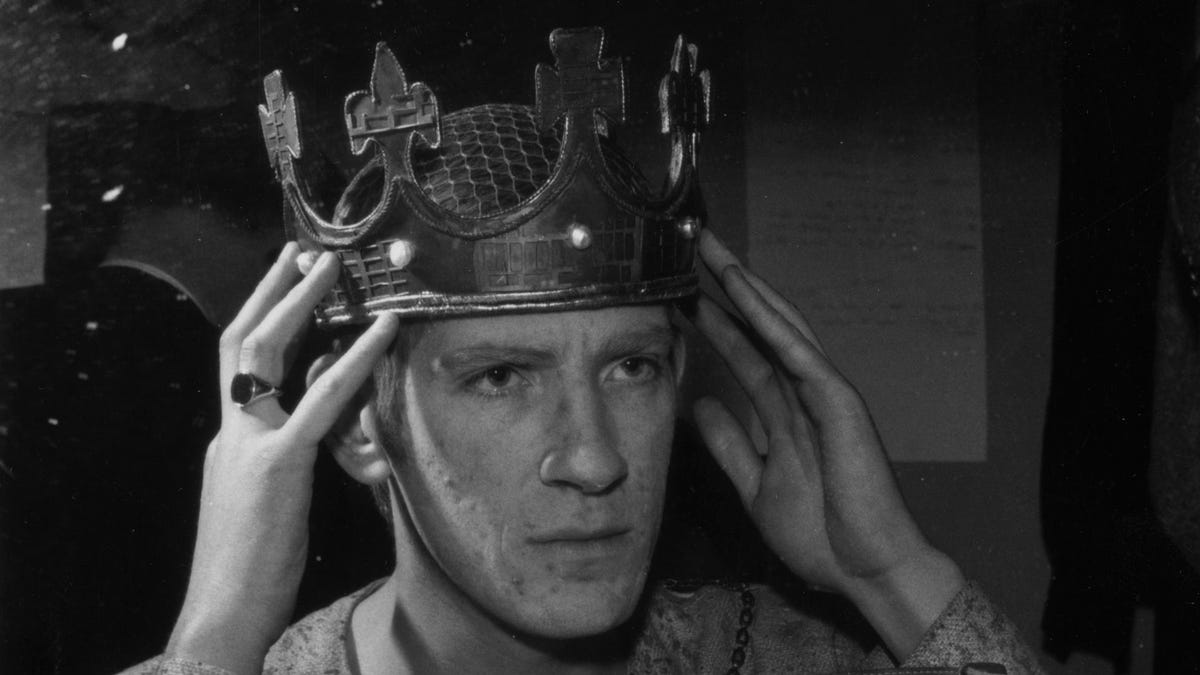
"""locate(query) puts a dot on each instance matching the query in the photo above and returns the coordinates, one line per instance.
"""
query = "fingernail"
(327, 259)
(733, 270)
(287, 252)
(306, 261)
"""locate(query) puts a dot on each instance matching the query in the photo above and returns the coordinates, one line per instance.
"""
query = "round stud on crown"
(688, 227)
(579, 235)
(306, 260)
(400, 253)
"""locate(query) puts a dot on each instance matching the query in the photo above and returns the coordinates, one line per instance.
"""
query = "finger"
(758, 377)
(802, 431)
(730, 446)
(717, 257)
(793, 418)
(821, 388)
(333, 390)
(273, 286)
(266, 411)
(265, 349)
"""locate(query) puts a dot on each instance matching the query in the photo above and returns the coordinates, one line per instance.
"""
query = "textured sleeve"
(160, 665)
(973, 630)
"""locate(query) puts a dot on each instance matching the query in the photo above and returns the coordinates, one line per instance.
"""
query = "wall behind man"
(986, 514)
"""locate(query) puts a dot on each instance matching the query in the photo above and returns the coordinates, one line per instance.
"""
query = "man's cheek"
(482, 480)
(448, 474)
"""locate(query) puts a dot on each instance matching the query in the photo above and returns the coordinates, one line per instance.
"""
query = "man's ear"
(354, 437)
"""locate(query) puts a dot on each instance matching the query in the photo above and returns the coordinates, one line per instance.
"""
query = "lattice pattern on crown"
(517, 260)
(493, 157)
(371, 273)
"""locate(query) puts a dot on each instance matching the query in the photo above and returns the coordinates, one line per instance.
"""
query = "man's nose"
(585, 454)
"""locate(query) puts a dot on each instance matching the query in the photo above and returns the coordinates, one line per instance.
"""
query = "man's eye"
(498, 377)
(637, 369)
(494, 381)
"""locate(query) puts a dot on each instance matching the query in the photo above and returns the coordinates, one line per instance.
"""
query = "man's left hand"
(820, 489)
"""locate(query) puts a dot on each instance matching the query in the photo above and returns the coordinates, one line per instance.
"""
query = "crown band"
(523, 302)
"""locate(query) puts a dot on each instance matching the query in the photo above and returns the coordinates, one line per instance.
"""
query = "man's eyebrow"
(484, 353)
(638, 340)
(491, 352)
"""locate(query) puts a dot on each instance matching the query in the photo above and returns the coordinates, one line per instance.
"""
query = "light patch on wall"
(22, 199)
(864, 207)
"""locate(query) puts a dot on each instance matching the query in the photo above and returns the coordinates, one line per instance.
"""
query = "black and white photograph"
(381, 337)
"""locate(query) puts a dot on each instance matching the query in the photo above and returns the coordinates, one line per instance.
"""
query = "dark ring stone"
(247, 387)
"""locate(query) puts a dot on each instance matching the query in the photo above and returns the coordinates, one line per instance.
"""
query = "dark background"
(108, 375)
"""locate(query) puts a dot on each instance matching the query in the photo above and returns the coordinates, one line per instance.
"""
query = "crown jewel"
(502, 208)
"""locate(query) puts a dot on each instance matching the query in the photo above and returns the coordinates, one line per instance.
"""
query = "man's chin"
(582, 609)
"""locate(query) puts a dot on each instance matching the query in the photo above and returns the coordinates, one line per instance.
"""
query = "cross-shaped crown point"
(581, 80)
(684, 96)
(278, 117)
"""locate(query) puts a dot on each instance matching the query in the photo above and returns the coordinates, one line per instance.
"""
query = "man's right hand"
(252, 538)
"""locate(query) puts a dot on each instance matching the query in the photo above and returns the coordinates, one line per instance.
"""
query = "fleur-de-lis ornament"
(392, 112)
(684, 100)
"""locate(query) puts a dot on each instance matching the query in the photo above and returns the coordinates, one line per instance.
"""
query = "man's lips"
(576, 534)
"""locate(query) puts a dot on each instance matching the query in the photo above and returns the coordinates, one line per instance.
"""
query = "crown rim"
(592, 296)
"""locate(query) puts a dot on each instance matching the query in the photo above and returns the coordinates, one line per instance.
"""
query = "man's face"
(537, 459)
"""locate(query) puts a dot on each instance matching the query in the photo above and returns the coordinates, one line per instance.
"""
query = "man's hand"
(821, 490)
(252, 537)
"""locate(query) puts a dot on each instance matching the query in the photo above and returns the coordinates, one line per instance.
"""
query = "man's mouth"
(587, 553)
(582, 535)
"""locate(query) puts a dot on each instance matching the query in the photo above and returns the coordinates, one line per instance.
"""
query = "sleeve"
(971, 630)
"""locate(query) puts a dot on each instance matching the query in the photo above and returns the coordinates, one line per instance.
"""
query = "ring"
(247, 388)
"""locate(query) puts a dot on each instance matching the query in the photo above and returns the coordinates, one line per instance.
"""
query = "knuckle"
(762, 377)
(328, 385)
(231, 340)
(724, 443)
(843, 395)
(257, 349)
(717, 434)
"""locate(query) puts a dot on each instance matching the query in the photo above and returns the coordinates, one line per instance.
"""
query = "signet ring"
(247, 388)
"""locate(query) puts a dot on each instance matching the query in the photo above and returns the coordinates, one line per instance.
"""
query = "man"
(520, 283)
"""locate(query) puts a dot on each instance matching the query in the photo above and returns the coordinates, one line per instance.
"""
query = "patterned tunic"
(712, 629)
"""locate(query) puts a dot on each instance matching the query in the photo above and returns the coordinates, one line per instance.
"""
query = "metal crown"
(502, 208)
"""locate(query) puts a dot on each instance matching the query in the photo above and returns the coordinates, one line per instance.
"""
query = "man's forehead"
(591, 327)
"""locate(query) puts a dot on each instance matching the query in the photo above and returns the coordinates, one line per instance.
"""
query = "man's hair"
(388, 393)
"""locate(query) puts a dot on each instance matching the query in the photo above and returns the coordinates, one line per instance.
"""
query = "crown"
(501, 208)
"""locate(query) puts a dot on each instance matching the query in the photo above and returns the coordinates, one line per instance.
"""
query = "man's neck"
(396, 631)
(419, 621)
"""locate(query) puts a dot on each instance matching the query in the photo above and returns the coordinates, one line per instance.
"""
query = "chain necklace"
(742, 637)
